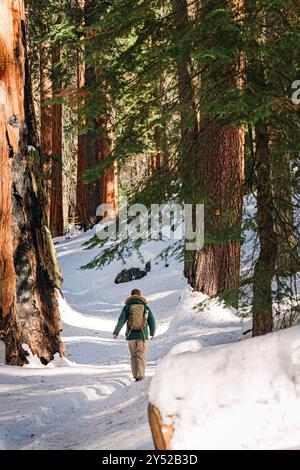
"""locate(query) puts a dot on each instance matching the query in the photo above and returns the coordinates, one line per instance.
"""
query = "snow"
(35, 363)
(198, 316)
(243, 395)
(89, 400)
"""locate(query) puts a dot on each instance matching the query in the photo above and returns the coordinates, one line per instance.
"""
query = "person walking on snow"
(139, 320)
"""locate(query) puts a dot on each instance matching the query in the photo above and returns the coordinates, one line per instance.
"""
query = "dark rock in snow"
(148, 266)
(127, 275)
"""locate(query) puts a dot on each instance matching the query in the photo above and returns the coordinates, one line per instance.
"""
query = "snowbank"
(244, 395)
(74, 318)
(195, 308)
(197, 317)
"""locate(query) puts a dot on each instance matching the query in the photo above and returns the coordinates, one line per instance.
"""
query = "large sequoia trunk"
(216, 268)
(29, 273)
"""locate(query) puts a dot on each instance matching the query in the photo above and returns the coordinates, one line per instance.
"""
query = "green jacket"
(123, 318)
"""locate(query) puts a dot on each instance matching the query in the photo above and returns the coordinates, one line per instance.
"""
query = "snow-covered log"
(161, 433)
(244, 395)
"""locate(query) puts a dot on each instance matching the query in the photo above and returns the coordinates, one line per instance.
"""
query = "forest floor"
(89, 400)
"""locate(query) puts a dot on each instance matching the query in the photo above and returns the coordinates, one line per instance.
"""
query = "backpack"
(137, 319)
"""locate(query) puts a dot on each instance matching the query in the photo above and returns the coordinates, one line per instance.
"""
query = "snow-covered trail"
(91, 401)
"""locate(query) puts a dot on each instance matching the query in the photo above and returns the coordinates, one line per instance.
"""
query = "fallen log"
(161, 433)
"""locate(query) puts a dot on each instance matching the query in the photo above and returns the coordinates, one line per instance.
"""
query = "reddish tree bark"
(94, 146)
(81, 193)
(88, 154)
(29, 272)
(51, 138)
(56, 205)
(46, 118)
(108, 182)
(216, 268)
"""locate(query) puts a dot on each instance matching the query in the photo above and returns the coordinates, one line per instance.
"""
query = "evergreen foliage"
(242, 60)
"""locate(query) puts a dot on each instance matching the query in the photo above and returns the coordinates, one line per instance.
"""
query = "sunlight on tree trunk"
(29, 310)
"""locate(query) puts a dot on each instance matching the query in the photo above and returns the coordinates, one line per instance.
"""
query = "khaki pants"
(138, 351)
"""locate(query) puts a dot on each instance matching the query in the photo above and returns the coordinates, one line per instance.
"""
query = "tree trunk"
(29, 273)
(94, 146)
(80, 187)
(88, 152)
(220, 173)
(288, 262)
(188, 148)
(264, 270)
(216, 267)
(161, 159)
(108, 182)
(46, 118)
(51, 138)
(160, 133)
(56, 210)
(187, 105)
(265, 266)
